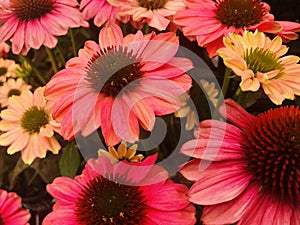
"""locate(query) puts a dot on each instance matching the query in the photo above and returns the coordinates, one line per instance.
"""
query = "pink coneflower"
(156, 13)
(208, 21)
(11, 87)
(121, 193)
(251, 167)
(11, 211)
(8, 69)
(4, 50)
(102, 11)
(30, 24)
(28, 126)
(259, 61)
(119, 84)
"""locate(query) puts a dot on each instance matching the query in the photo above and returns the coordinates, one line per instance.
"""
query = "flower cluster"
(149, 112)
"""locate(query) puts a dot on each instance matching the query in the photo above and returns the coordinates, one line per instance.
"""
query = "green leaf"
(20, 166)
(69, 161)
(47, 167)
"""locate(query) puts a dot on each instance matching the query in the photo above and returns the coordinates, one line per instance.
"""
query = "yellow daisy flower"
(28, 126)
(259, 61)
(12, 87)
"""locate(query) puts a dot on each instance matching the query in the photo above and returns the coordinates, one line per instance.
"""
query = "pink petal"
(110, 137)
(220, 182)
(110, 36)
(65, 190)
(124, 122)
(266, 210)
(156, 195)
(235, 113)
(141, 109)
(182, 217)
(231, 211)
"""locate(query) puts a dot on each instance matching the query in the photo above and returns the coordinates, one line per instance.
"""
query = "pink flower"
(156, 13)
(246, 171)
(119, 84)
(11, 211)
(208, 21)
(4, 50)
(101, 10)
(120, 193)
(30, 24)
(288, 31)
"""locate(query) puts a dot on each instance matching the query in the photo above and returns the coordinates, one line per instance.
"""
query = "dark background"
(288, 10)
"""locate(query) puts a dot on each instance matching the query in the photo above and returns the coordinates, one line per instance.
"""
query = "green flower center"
(272, 148)
(152, 4)
(240, 13)
(13, 92)
(26, 10)
(106, 202)
(34, 119)
(3, 70)
(110, 71)
(262, 60)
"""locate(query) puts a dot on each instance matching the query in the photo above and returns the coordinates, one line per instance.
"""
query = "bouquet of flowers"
(149, 112)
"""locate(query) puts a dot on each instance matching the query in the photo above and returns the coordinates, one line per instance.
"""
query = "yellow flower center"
(152, 4)
(262, 60)
(34, 119)
(240, 13)
(26, 10)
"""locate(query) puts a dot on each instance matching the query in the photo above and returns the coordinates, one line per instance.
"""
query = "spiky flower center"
(240, 13)
(34, 119)
(13, 92)
(272, 148)
(3, 70)
(109, 71)
(262, 60)
(152, 4)
(107, 202)
(26, 10)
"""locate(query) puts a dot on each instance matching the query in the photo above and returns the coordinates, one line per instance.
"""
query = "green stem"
(61, 56)
(225, 86)
(73, 42)
(35, 69)
(52, 60)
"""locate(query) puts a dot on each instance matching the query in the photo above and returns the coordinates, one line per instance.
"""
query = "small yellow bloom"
(122, 153)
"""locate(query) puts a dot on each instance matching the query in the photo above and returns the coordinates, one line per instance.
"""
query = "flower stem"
(73, 42)
(61, 56)
(225, 86)
(35, 69)
(52, 60)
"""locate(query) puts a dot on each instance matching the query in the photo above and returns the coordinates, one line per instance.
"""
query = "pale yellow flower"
(187, 111)
(258, 61)
(11, 87)
(122, 153)
(7, 69)
(210, 91)
(27, 126)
